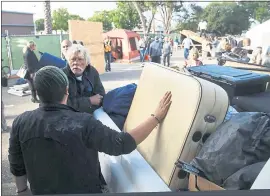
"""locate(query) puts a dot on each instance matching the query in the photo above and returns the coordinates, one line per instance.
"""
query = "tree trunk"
(150, 22)
(48, 17)
(142, 17)
(166, 15)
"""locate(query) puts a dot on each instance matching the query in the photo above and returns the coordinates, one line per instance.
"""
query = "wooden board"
(248, 66)
(194, 36)
(90, 33)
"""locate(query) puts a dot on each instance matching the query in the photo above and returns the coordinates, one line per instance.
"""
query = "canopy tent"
(124, 44)
(260, 35)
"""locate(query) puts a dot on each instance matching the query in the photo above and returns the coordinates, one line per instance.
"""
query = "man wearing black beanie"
(56, 147)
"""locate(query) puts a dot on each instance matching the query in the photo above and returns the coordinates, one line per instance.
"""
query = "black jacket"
(30, 61)
(81, 91)
(57, 148)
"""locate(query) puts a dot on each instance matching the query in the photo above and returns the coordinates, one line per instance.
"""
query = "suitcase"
(236, 82)
(198, 107)
(253, 103)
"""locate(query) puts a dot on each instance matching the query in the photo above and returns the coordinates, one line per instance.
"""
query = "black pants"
(155, 59)
(203, 31)
(107, 56)
(30, 82)
(166, 57)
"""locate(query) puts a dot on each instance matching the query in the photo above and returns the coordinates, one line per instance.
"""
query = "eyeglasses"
(77, 59)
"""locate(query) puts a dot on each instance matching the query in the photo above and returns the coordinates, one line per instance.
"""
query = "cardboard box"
(197, 183)
(90, 33)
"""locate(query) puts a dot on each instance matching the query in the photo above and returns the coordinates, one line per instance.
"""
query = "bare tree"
(166, 10)
(48, 17)
(141, 7)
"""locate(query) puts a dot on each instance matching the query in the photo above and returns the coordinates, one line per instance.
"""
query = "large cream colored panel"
(164, 145)
(91, 35)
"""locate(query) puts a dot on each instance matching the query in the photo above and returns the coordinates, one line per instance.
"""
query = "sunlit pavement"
(122, 74)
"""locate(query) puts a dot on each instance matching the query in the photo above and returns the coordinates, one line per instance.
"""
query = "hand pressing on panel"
(163, 106)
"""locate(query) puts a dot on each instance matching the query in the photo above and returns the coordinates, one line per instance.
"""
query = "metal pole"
(9, 50)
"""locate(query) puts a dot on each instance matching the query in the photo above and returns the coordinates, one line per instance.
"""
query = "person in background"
(31, 66)
(155, 50)
(56, 147)
(187, 42)
(257, 56)
(142, 49)
(194, 61)
(215, 44)
(202, 27)
(266, 59)
(85, 88)
(167, 51)
(176, 43)
(107, 53)
(206, 47)
(74, 42)
(64, 48)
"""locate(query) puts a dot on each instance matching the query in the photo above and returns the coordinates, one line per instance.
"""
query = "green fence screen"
(45, 43)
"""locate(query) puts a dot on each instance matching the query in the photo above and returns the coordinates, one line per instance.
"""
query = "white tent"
(260, 35)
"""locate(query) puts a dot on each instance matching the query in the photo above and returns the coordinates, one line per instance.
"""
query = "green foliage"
(60, 19)
(75, 17)
(39, 24)
(105, 17)
(259, 11)
(226, 18)
(125, 16)
(190, 17)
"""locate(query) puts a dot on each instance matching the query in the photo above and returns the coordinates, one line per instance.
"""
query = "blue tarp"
(48, 59)
(117, 102)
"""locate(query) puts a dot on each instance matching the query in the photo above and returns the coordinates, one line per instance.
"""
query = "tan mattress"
(197, 108)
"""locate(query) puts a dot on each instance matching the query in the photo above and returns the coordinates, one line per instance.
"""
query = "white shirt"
(203, 25)
(187, 42)
(141, 43)
(79, 78)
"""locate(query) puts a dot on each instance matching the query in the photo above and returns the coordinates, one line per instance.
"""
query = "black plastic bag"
(239, 142)
(243, 178)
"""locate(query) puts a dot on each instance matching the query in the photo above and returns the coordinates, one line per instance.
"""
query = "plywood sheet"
(90, 33)
(194, 36)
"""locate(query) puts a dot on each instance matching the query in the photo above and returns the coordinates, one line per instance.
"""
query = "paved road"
(122, 74)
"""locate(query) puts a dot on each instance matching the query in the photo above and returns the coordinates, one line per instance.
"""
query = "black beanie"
(50, 83)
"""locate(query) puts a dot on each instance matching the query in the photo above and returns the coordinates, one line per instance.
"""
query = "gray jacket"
(167, 48)
(155, 48)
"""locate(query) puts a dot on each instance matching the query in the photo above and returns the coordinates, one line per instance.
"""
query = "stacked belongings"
(20, 90)
(233, 156)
